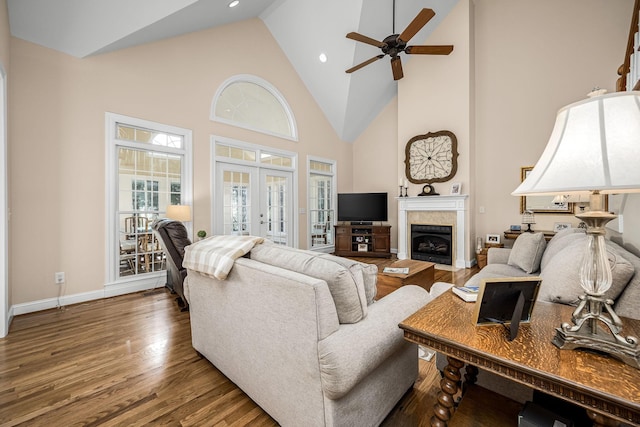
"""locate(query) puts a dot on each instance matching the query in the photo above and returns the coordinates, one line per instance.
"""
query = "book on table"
(467, 293)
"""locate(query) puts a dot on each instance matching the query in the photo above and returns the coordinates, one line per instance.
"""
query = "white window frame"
(5, 312)
(268, 87)
(329, 248)
(115, 285)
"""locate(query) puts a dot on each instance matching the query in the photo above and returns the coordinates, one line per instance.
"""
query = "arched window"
(250, 102)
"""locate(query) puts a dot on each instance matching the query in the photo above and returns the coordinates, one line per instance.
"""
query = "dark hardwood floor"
(128, 361)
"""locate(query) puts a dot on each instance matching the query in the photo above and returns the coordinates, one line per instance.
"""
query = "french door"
(251, 200)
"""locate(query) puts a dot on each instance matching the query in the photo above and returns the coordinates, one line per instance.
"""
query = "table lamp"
(594, 148)
(180, 213)
(528, 218)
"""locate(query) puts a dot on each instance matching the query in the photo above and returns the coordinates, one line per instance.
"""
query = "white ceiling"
(302, 28)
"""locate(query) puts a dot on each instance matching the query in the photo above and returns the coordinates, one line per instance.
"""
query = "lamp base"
(587, 332)
(594, 309)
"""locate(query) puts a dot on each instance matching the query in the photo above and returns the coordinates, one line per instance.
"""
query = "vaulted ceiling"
(303, 28)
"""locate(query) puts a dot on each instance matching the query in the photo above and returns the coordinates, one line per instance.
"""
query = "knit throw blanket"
(215, 256)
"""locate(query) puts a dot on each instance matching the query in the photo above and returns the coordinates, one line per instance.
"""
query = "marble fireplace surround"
(435, 210)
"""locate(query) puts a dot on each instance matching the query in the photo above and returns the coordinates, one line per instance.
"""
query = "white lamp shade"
(179, 212)
(594, 145)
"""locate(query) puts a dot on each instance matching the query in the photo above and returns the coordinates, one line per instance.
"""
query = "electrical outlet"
(59, 277)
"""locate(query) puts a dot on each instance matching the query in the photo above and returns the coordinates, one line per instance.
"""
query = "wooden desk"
(603, 385)
(514, 234)
(421, 273)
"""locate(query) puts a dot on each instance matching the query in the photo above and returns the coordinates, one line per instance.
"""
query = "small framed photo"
(362, 247)
(456, 188)
(515, 228)
(493, 239)
(559, 226)
(506, 301)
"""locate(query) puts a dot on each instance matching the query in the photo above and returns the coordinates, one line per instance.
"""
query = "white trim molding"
(110, 290)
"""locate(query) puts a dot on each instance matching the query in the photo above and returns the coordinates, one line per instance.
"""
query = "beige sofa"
(558, 264)
(299, 332)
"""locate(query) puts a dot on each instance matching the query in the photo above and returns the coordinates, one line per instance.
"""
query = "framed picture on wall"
(456, 188)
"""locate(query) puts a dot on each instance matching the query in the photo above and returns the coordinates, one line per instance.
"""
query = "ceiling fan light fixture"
(234, 3)
(322, 57)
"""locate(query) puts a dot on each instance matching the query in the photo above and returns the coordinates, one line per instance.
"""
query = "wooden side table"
(604, 386)
(481, 258)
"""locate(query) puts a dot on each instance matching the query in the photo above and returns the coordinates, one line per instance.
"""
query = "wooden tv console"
(363, 240)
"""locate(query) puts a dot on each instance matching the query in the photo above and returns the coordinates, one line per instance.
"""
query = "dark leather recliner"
(173, 237)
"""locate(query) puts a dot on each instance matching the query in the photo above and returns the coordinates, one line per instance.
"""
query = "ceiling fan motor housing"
(393, 45)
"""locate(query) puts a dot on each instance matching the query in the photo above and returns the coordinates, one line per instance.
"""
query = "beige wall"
(527, 68)
(437, 94)
(58, 106)
(375, 159)
(515, 63)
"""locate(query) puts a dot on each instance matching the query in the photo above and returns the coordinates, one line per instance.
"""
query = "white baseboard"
(110, 290)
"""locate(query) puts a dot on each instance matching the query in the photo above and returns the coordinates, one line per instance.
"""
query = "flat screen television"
(362, 208)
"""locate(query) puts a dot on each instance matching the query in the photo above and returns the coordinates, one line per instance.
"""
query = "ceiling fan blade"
(362, 64)
(365, 39)
(429, 50)
(416, 25)
(396, 68)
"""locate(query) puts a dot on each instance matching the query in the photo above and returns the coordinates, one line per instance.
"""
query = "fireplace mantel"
(457, 204)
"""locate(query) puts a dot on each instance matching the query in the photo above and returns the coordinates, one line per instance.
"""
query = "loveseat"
(557, 262)
(299, 332)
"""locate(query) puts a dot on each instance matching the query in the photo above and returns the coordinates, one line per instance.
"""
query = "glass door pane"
(276, 206)
(253, 201)
(320, 209)
(236, 207)
(148, 181)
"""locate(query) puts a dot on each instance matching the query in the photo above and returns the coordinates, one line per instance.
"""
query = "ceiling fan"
(394, 44)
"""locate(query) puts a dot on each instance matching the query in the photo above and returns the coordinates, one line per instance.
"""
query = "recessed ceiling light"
(322, 57)
(234, 3)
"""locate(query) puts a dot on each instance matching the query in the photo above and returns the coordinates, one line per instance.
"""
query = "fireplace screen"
(431, 243)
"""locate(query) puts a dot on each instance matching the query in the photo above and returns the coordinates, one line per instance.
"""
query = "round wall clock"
(432, 157)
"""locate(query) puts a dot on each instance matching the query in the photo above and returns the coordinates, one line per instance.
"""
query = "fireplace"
(431, 243)
(437, 210)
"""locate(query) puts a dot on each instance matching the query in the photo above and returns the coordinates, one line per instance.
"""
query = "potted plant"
(202, 234)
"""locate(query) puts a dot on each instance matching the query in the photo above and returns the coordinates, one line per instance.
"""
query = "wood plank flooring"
(128, 361)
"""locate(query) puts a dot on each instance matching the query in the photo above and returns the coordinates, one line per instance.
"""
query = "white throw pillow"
(369, 273)
(527, 252)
